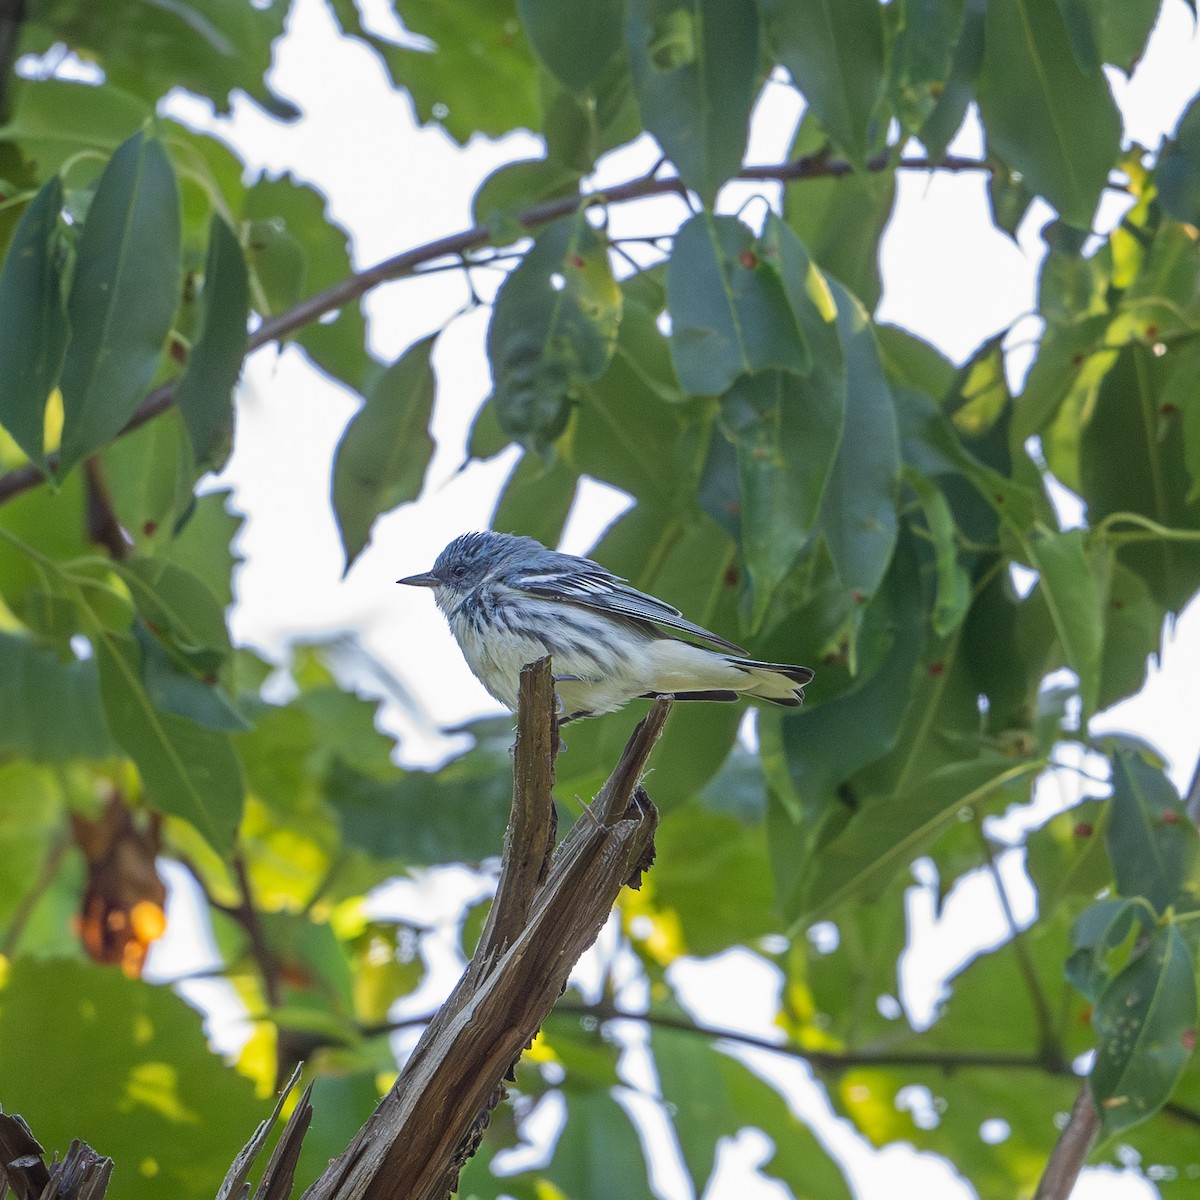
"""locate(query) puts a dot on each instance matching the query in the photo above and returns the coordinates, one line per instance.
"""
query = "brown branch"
(457, 245)
(102, 524)
(431, 1121)
(1071, 1150)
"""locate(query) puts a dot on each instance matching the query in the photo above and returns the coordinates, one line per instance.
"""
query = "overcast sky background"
(948, 276)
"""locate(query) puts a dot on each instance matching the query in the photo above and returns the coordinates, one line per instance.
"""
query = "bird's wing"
(581, 581)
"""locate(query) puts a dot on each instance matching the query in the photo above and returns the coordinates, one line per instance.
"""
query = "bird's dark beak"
(429, 579)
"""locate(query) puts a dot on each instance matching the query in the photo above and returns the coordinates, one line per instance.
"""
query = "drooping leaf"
(123, 295)
(34, 331)
(205, 393)
(1101, 927)
(729, 312)
(577, 51)
(554, 326)
(695, 67)
(835, 54)
(858, 515)
(515, 186)
(174, 690)
(381, 460)
(1153, 845)
(187, 770)
(1145, 1023)
(1049, 119)
(1074, 601)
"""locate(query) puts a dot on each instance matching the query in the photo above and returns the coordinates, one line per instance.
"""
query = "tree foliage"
(818, 486)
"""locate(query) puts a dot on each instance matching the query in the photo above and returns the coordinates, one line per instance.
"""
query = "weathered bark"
(81, 1175)
(550, 905)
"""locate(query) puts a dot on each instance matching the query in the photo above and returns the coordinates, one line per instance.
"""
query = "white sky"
(949, 276)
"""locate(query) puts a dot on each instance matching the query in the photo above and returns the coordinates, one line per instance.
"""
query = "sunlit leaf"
(695, 67)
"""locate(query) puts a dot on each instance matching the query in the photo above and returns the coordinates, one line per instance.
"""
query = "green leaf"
(32, 816)
(695, 71)
(834, 51)
(1152, 844)
(49, 710)
(1132, 459)
(713, 1097)
(554, 326)
(536, 499)
(697, 846)
(1133, 635)
(1073, 598)
(1081, 32)
(883, 837)
(1178, 171)
(391, 820)
(476, 75)
(730, 314)
(295, 248)
(179, 603)
(953, 583)
(155, 1097)
(382, 457)
(858, 513)
(598, 1156)
(840, 220)
(205, 393)
(208, 47)
(187, 771)
(959, 92)
(1101, 927)
(34, 332)
(174, 690)
(922, 56)
(1145, 1023)
(1056, 124)
(515, 186)
(577, 51)
(123, 296)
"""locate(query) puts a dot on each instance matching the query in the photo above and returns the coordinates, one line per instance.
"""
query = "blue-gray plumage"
(509, 601)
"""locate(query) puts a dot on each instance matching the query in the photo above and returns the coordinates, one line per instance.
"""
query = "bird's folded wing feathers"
(595, 588)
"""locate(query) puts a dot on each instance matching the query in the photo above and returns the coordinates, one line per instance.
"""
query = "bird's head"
(463, 565)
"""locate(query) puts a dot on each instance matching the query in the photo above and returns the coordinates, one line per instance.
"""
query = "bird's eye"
(459, 571)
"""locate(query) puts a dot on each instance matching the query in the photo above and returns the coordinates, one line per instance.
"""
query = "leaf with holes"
(1145, 1023)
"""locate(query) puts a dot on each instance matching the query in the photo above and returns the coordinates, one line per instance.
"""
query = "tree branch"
(457, 245)
(432, 1119)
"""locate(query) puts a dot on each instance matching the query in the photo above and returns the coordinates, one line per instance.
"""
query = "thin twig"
(1071, 1150)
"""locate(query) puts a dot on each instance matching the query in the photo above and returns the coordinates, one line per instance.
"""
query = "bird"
(510, 600)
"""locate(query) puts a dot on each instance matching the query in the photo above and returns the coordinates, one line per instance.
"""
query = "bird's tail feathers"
(780, 683)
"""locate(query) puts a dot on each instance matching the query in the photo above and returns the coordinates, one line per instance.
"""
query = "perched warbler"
(509, 600)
